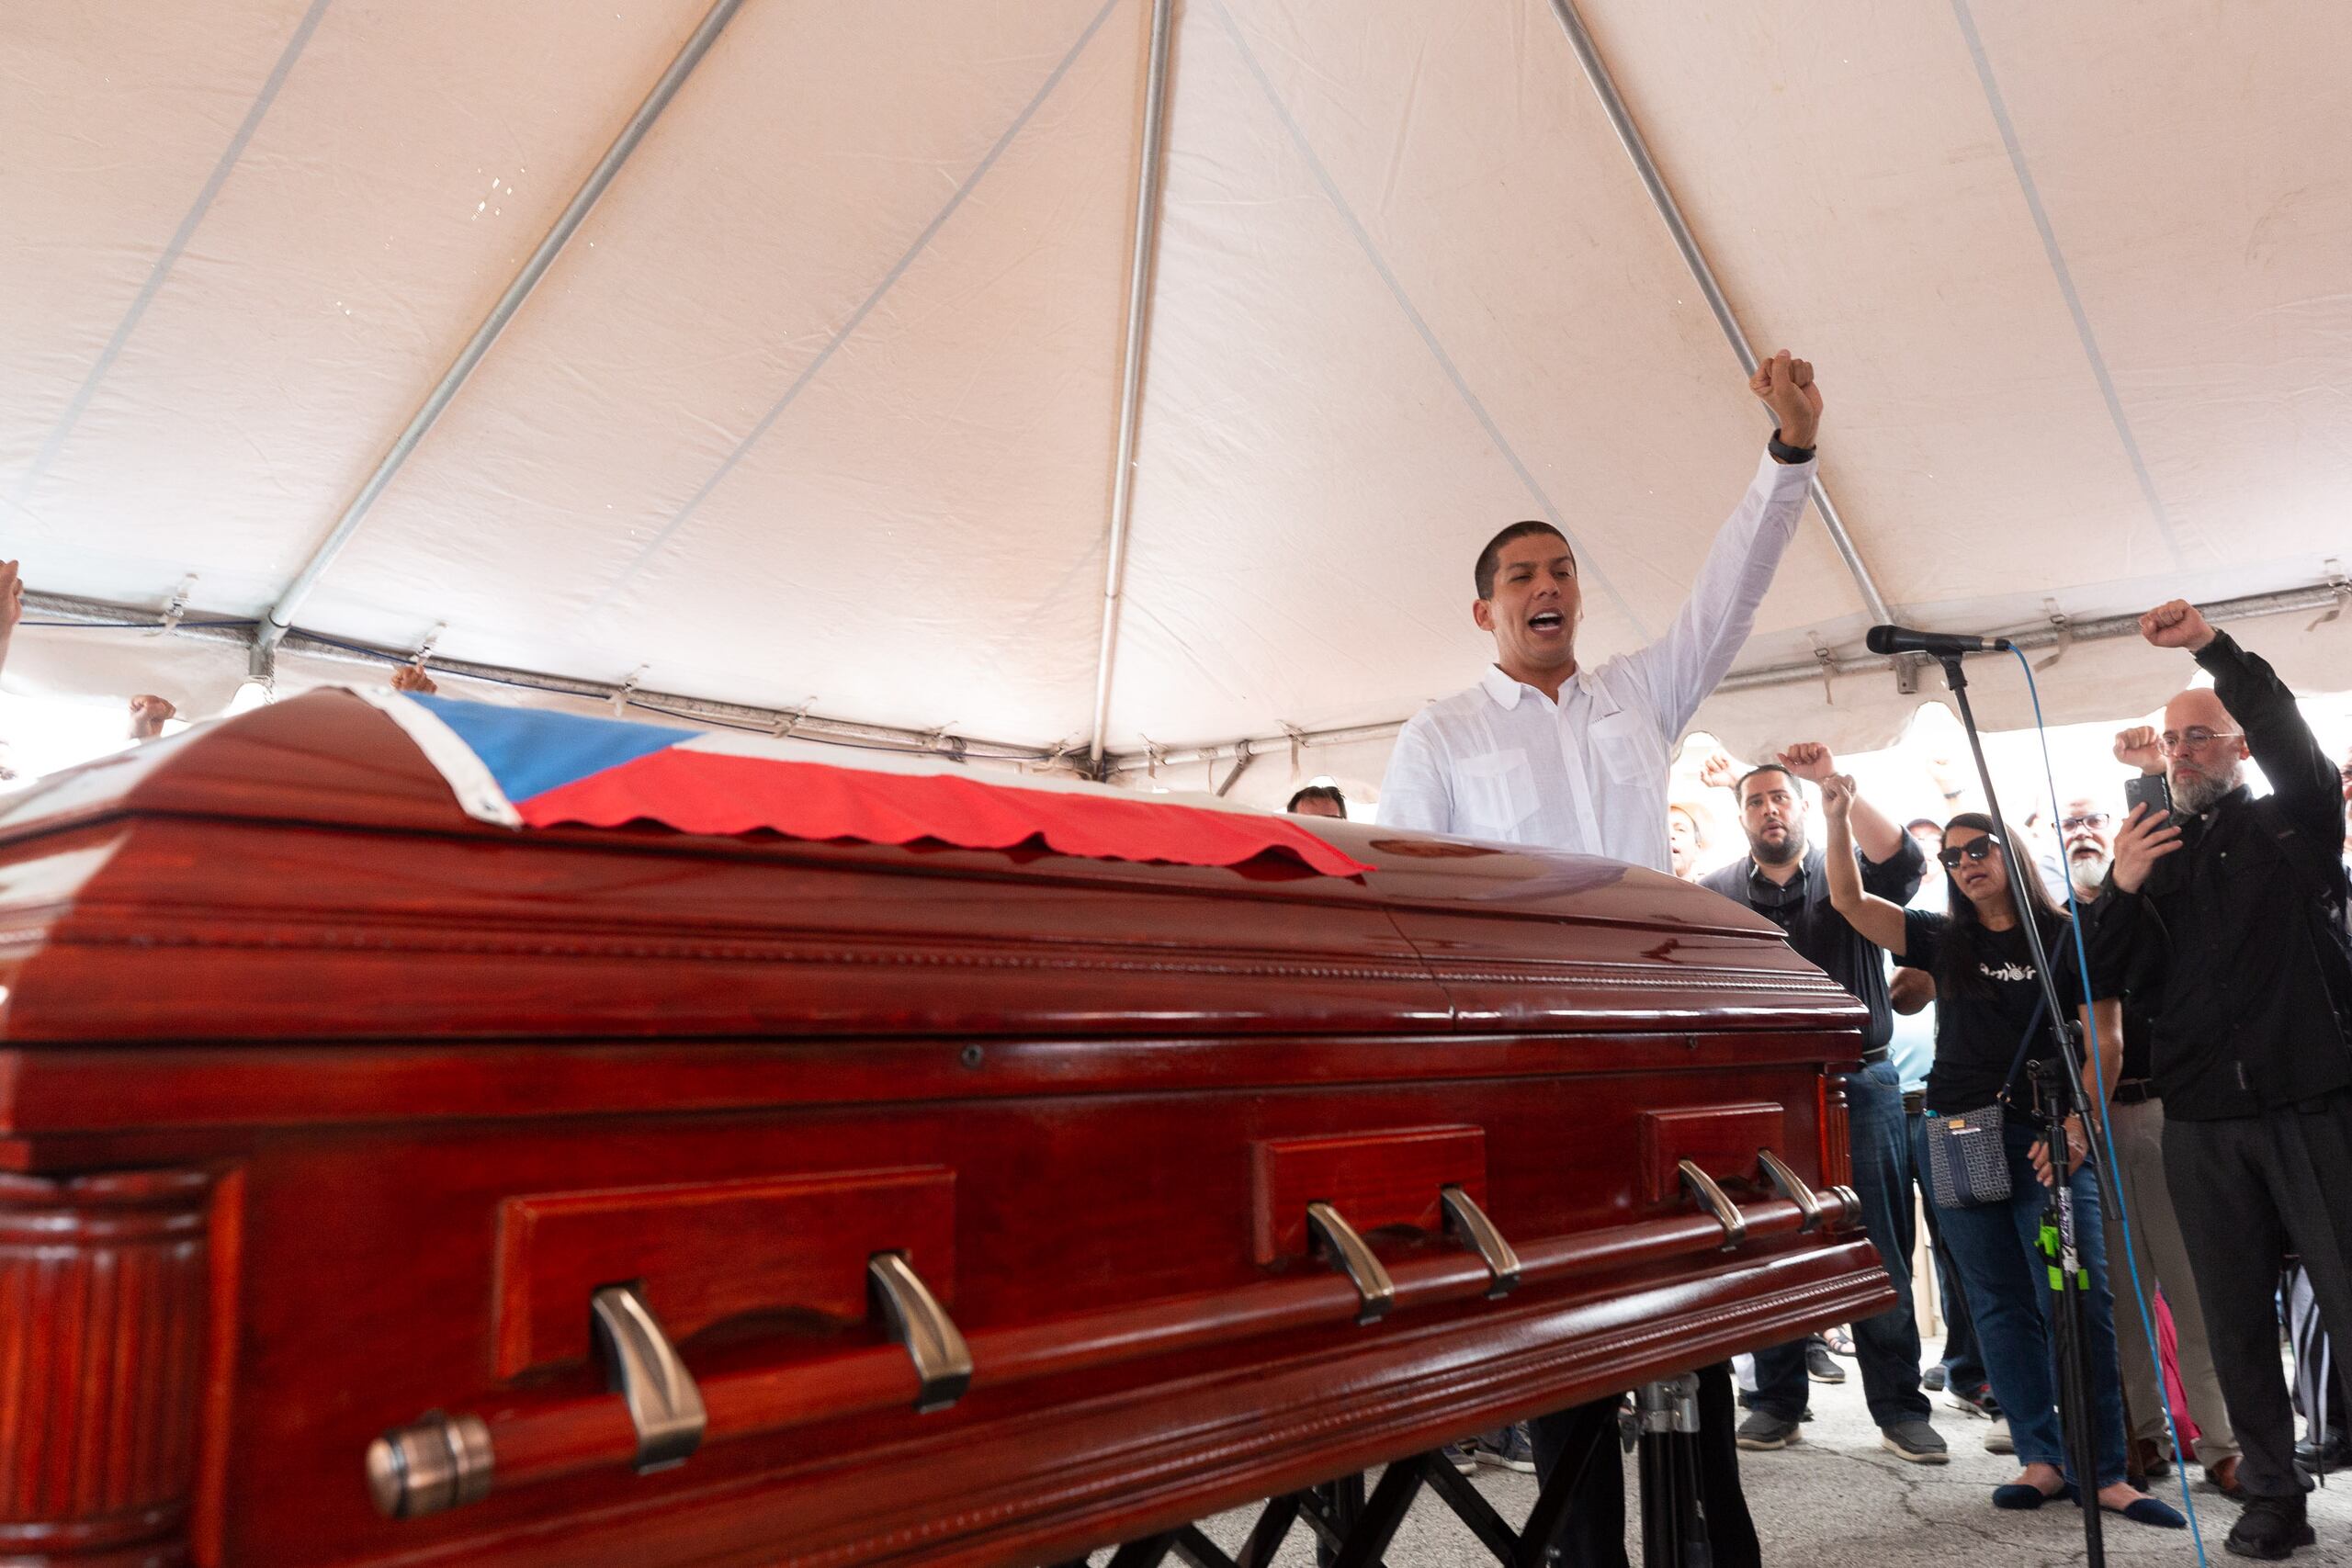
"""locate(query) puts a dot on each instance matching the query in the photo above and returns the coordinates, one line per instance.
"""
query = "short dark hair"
(1739, 789)
(1491, 559)
(1319, 792)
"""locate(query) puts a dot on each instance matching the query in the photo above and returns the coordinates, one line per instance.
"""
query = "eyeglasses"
(1975, 849)
(2092, 820)
(2196, 737)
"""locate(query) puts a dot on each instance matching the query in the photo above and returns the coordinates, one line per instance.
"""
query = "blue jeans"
(1963, 1368)
(1886, 1347)
(1998, 1248)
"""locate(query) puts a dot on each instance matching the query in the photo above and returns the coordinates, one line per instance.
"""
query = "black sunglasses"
(1975, 849)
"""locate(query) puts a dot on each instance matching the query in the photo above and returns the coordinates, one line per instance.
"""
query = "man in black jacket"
(1786, 881)
(2241, 903)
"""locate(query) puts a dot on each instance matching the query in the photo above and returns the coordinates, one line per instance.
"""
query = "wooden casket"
(381, 1185)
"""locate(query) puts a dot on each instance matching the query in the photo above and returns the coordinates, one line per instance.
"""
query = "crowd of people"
(2199, 949)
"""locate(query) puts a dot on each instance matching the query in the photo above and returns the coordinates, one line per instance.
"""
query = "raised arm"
(2301, 775)
(1682, 667)
(1877, 919)
(1875, 833)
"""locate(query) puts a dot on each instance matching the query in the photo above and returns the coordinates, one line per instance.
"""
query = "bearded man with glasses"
(2234, 910)
(2136, 1114)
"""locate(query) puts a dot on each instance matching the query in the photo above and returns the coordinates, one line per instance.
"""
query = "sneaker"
(1459, 1456)
(1763, 1431)
(1516, 1452)
(1996, 1441)
(1914, 1441)
(1977, 1401)
(1821, 1364)
(1932, 1380)
(2271, 1529)
(2153, 1462)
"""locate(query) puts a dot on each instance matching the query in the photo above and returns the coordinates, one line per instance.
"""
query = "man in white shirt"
(1547, 754)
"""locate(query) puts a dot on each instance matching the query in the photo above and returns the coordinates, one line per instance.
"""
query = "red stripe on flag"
(709, 791)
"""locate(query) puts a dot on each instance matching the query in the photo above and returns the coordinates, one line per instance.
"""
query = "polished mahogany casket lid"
(1156, 1188)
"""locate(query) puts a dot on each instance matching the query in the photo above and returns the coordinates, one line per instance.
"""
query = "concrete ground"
(1838, 1500)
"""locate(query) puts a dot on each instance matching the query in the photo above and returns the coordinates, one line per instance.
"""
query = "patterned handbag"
(1968, 1162)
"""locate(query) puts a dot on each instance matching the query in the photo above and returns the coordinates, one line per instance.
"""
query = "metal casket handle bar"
(644, 1369)
(1337, 1240)
(1702, 1186)
(942, 1361)
(1467, 1223)
(1790, 1185)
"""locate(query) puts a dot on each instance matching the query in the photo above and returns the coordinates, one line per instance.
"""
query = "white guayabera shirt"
(1503, 761)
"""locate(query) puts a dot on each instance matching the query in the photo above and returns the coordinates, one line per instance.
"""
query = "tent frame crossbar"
(798, 723)
(2322, 597)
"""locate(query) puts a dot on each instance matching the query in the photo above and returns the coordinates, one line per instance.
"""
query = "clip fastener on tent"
(2337, 585)
(1298, 745)
(1830, 670)
(2066, 634)
(178, 608)
(791, 719)
(431, 640)
(1242, 757)
(626, 691)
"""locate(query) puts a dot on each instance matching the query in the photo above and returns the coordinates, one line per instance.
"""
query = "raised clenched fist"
(2138, 747)
(1809, 760)
(412, 678)
(1786, 386)
(2176, 624)
(1836, 796)
(1719, 772)
(148, 713)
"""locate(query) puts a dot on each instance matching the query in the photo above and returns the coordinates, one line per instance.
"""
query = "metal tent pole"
(1604, 85)
(280, 617)
(1147, 236)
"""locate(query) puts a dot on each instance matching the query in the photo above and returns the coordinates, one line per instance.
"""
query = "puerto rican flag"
(531, 768)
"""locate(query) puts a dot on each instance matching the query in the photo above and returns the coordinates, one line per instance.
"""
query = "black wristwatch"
(1783, 452)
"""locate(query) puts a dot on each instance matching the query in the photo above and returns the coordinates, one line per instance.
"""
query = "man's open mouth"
(1546, 621)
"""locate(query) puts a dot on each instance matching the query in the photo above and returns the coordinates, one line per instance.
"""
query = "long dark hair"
(1965, 947)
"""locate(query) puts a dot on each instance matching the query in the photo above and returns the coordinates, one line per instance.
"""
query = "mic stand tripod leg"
(1674, 1525)
(2069, 1283)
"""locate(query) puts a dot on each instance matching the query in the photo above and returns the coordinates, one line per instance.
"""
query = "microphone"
(1935, 645)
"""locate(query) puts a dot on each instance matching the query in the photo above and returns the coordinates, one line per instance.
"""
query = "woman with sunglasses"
(1988, 998)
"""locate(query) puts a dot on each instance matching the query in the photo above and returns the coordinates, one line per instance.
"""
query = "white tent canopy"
(820, 404)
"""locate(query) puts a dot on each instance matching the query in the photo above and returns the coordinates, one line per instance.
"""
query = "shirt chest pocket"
(1498, 791)
(1630, 750)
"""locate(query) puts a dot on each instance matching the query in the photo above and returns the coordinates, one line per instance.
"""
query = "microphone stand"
(2053, 1101)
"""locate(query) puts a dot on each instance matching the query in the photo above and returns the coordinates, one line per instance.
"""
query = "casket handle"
(1468, 1225)
(1338, 1241)
(1790, 1185)
(1703, 1185)
(645, 1369)
(942, 1361)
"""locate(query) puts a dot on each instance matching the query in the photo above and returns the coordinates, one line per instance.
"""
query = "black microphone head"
(1881, 640)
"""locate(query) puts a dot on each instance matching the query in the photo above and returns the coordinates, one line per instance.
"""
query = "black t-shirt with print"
(1977, 1034)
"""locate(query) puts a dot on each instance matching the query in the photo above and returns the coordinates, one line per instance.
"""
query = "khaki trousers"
(2162, 1260)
